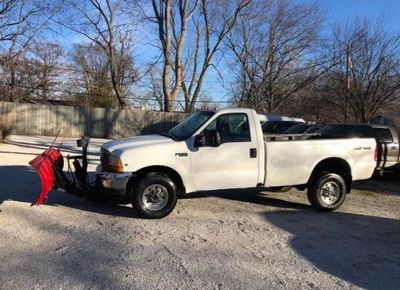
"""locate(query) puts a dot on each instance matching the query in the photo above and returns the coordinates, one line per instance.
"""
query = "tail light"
(376, 154)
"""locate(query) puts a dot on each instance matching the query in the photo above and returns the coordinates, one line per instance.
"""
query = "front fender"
(183, 172)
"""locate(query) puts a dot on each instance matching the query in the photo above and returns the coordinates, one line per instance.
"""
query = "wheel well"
(333, 165)
(171, 173)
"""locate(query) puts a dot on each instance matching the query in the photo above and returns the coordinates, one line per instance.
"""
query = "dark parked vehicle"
(386, 137)
(302, 128)
(277, 127)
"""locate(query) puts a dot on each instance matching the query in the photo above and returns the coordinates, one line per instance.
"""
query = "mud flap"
(45, 164)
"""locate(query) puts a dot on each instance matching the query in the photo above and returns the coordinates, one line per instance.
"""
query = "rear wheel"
(327, 192)
(154, 196)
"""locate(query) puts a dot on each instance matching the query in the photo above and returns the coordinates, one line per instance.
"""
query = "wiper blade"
(169, 135)
(165, 135)
(173, 136)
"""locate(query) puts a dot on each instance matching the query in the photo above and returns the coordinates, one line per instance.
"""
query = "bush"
(6, 124)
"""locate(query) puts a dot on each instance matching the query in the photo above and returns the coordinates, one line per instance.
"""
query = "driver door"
(234, 163)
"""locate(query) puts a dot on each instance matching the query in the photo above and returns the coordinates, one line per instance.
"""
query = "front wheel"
(154, 196)
(327, 192)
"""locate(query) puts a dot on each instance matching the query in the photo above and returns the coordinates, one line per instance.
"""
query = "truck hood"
(134, 142)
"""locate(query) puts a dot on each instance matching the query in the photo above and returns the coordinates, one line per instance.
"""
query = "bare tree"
(11, 76)
(20, 22)
(18, 17)
(44, 68)
(277, 46)
(33, 73)
(215, 22)
(154, 84)
(166, 16)
(90, 65)
(371, 83)
(103, 22)
(209, 22)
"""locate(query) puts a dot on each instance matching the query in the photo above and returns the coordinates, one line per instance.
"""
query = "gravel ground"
(228, 240)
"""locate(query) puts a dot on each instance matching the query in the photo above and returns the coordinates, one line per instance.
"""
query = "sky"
(339, 11)
(343, 10)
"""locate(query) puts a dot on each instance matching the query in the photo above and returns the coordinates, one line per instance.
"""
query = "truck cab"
(210, 150)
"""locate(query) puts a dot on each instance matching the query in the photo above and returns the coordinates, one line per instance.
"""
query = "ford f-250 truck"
(227, 150)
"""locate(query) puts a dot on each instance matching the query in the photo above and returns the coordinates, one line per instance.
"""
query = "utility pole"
(348, 66)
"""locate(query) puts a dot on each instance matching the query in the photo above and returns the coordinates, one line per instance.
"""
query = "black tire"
(154, 196)
(327, 192)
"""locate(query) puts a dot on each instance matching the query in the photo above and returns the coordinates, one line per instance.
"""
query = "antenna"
(52, 144)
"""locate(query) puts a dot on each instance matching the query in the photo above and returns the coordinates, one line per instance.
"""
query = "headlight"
(110, 162)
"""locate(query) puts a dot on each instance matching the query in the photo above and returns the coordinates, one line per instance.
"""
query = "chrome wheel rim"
(330, 192)
(155, 197)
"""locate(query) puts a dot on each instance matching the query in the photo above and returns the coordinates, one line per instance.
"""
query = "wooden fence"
(46, 120)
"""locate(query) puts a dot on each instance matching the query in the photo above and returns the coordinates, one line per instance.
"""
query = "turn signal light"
(114, 164)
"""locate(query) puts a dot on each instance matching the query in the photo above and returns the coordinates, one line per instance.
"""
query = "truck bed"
(291, 162)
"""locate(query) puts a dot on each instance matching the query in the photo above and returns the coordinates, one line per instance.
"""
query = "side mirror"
(215, 138)
(199, 141)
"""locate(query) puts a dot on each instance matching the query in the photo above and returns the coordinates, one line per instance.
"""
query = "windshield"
(187, 127)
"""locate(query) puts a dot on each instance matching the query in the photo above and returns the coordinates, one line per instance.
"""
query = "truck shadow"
(363, 250)
(389, 184)
(256, 196)
(22, 184)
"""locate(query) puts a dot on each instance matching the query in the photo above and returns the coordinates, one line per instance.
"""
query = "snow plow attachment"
(50, 165)
(46, 164)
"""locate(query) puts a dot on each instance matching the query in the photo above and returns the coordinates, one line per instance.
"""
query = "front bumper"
(115, 182)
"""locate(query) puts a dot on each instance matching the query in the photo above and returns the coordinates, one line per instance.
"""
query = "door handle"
(253, 152)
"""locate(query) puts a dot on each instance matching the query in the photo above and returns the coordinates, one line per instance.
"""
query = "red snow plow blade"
(49, 166)
(44, 165)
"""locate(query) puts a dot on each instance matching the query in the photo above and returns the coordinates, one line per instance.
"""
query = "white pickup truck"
(227, 150)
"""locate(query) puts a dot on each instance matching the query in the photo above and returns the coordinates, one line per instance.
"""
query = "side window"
(231, 128)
